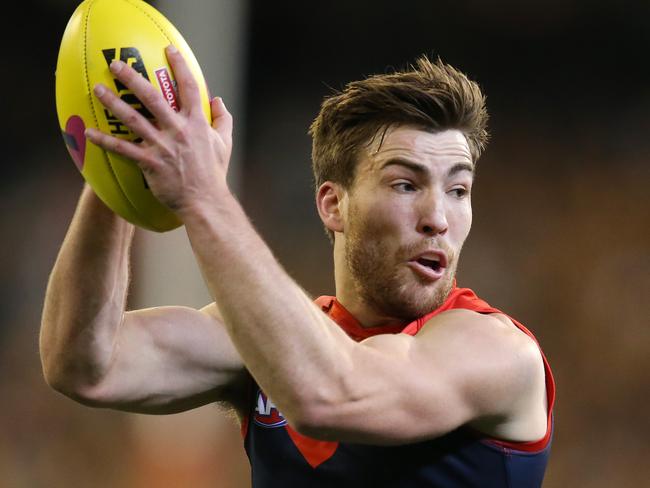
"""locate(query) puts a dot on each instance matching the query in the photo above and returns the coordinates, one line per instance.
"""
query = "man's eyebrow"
(413, 166)
(424, 170)
(458, 167)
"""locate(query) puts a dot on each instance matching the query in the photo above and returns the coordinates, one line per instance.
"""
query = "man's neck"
(366, 315)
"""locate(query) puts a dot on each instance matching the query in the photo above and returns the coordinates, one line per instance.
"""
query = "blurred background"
(561, 228)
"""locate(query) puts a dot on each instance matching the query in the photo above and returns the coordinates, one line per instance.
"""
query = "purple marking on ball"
(75, 140)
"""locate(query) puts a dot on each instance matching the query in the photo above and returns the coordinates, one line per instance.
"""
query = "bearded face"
(381, 275)
(406, 218)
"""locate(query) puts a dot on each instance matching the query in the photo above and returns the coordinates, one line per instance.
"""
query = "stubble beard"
(375, 271)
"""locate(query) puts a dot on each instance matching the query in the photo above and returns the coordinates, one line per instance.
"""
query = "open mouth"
(430, 268)
(432, 264)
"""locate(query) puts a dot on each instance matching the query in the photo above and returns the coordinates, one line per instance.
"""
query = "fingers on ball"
(151, 98)
(188, 88)
(126, 113)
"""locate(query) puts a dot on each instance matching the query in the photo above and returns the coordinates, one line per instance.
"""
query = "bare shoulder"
(498, 367)
(494, 334)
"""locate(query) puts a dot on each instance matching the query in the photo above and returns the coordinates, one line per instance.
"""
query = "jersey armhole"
(246, 414)
(540, 444)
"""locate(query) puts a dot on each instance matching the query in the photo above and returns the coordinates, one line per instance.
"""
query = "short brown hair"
(431, 96)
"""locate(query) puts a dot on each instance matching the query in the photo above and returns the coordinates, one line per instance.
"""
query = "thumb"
(221, 118)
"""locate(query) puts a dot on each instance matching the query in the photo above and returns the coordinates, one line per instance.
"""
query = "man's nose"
(432, 214)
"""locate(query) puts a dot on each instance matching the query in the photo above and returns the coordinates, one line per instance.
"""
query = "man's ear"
(331, 200)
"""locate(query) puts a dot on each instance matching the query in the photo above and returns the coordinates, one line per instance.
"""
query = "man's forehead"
(418, 143)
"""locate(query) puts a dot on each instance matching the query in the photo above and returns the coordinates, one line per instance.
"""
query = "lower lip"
(426, 272)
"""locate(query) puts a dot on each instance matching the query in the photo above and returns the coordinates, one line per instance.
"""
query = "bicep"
(170, 359)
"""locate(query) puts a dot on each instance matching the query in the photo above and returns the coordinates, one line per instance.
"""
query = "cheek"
(461, 221)
(392, 225)
(380, 217)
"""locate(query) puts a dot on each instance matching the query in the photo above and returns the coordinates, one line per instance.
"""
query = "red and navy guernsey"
(280, 457)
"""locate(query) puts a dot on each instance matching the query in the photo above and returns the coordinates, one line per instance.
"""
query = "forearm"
(86, 294)
(291, 348)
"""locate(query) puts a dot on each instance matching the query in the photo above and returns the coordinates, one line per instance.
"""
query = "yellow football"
(98, 32)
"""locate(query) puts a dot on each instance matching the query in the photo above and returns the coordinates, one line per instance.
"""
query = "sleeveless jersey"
(280, 457)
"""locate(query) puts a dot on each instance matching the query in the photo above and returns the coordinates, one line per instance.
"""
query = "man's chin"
(412, 301)
(423, 304)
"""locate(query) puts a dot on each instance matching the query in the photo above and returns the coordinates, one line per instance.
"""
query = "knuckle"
(151, 98)
(183, 133)
(116, 145)
(196, 114)
(131, 120)
(149, 164)
(190, 83)
(167, 154)
(121, 145)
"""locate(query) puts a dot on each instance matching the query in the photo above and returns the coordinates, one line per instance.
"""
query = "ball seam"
(85, 51)
(162, 31)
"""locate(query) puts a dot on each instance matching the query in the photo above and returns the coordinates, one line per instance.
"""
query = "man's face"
(407, 216)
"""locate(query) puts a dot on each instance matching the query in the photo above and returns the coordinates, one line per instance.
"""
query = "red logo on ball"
(168, 87)
(266, 413)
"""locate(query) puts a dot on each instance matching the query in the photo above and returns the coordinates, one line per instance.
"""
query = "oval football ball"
(99, 32)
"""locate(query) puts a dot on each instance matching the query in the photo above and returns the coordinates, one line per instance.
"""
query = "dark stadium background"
(560, 238)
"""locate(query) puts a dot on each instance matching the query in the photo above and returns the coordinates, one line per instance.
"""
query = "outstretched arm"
(157, 360)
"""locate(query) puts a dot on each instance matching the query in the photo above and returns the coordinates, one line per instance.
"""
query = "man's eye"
(404, 186)
(459, 192)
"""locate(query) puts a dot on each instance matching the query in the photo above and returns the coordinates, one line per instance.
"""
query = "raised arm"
(158, 360)
(464, 368)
